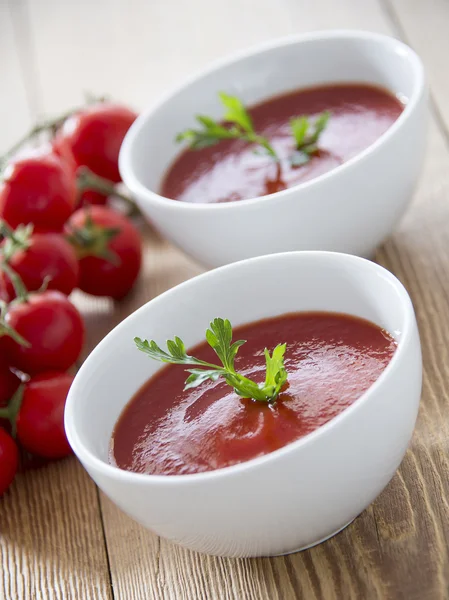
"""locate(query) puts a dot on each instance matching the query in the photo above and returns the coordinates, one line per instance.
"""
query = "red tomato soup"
(331, 360)
(230, 170)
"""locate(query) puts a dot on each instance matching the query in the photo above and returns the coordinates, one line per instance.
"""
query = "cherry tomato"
(9, 460)
(109, 251)
(9, 382)
(40, 422)
(52, 326)
(49, 255)
(38, 189)
(61, 148)
(95, 136)
(4, 296)
(91, 197)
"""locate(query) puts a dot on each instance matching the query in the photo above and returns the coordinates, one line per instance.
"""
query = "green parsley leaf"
(176, 351)
(239, 126)
(199, 376)
(276, 375)
(299, 127)
(319, 126)
(219, 337)
(306, 137)
(236, 112)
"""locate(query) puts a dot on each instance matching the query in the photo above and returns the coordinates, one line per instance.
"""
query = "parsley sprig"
(238, 124)
(219, 337)
(306, 136)
(212, 132)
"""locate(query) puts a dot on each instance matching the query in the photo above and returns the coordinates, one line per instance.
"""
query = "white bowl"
(350, 209)
(296, 496)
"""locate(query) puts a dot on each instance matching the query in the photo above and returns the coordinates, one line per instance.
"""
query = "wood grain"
(51, 538)
(56, 539)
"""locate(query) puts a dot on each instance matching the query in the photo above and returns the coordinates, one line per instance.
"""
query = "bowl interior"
(243, 292)
(286, 66)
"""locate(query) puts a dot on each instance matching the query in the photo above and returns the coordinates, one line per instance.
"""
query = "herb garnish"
(241, 127)
(212, 131)
(307, 136)
(219, 337)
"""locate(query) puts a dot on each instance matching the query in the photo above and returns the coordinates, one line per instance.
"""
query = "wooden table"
(60, 538)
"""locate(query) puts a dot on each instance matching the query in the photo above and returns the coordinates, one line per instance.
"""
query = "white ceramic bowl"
(294, 497)
(350, 209)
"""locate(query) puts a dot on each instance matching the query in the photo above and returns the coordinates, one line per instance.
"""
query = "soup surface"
(331, 360)
(230, 170)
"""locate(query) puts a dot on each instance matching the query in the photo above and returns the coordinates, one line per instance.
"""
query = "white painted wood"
(425, 24)
(135, 49)
(15, 117)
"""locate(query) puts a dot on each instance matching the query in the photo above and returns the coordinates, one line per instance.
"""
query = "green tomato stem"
(5, 329)
(18, 285)
(11, 411)
(87, 180)
(47, 125)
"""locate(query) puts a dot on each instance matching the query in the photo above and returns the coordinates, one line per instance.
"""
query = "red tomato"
(9, 460)
(9, 382)
(91, 197)
(48, 255)
(3, 293)
(61, 148)
(53, 327)
(95, 136)
(40, 422)
(101, 275)
(37, 189)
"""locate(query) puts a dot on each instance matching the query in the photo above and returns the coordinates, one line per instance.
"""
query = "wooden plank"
(424, 25)
(134, 50)
(25, 51)
(51, 539)
(15, 113)
(413, 521)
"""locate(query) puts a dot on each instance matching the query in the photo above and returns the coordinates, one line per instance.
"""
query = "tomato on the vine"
(61, 148)
(95, 135)
(38, 189)
(53, 328)
(109, 251)
(40, 421)
(9, 382)
(9, 460)
(92, 198)
(44, 258)
(4, 296)
(86, 197)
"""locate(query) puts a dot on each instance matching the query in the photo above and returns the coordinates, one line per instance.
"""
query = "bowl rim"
(133, 182)
(108, 470)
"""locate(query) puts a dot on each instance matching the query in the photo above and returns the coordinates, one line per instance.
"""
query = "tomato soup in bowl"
(231, 170)
(331, 360)
(344, 193)
(259, 480)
